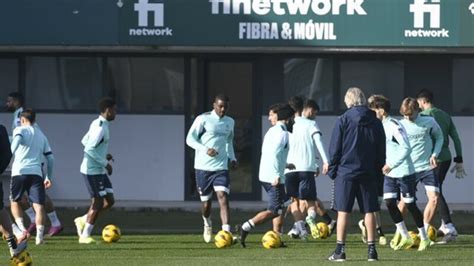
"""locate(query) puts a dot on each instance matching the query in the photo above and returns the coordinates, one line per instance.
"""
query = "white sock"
(312, 214)
(248, 225)
(300, 225)
(53, 217)
(207, 221)
(423, 235)
(31, 214)
(226, 227)
(16, 230)
(19, 222)
(426, 227)
(39, 233)
(402, 229)
(87, 230)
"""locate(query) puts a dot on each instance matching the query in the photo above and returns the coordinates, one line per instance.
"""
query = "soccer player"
(297, 104)
(425, 100)
(96, 169)
(15, 102)
(16, 246)
(356, 156)
(422, 131)
(300, 182)
(399, 174)
(211, 136)
(271, 172)
(28, 146)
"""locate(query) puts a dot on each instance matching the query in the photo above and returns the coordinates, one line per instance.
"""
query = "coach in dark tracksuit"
(356, 155)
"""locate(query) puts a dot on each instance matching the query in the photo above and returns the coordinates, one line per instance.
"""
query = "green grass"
(181, 249)
(154, 237)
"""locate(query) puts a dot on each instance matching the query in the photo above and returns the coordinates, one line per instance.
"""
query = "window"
(463, 86)
(374, 77)
(8, 77)
(147, 85)
(63, 83)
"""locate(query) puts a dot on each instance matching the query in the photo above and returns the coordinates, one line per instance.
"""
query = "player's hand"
(212, 152)
(460, 172)
(290, 166)
(325, 169)
(276, 182)
(233, 164)
(108, 167)
(109, 157)
(433, 162)
(386, 169)
(47, 183)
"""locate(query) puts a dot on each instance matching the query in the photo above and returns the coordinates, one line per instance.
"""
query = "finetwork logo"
(432, 8)
(156, 10)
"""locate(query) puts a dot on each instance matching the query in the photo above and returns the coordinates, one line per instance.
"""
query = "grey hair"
(354, 97)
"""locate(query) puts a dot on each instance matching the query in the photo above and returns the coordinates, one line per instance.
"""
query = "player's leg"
(431, 184)
(17, 189)
(30, 212)
(367, 197)
(205, 190)
(221, 185)
(307, 192)
(15, 245)
(447, 227)
(324, 214)
(37, 196)
(382, 239)
(276, 199)
(344, 197)
(292, 184)
(391, 192)
(56, 226)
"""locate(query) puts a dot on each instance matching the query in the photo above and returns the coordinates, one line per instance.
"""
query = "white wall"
(148, 152)
(455, 191)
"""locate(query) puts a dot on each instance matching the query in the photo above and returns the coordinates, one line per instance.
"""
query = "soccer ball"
(323, 230)
(23, 259)
(271, 240)
(432, 233)
(111, 233)
(415, 237)
(223, 239)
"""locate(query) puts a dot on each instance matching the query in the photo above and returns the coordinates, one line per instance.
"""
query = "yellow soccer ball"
(111, 233)
(223, 239)
(323, 230)
(271, 240)
(432, 233)
(415, 237)
(23, 259)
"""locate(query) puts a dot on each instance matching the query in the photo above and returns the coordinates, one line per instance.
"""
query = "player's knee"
(391, 203)
(411, 207)
(109, 202)
(434, 199)
(97, 204)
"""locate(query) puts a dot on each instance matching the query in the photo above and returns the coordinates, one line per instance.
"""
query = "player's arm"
(193, 139)
(17, 140)
(318, 140)
(94, 138)
(437, 136)
(401, 137)
(458, 167)
(335, 149)
(381, 148)
(280, 143)
(5, 150)
(230, 148)
(48, 154)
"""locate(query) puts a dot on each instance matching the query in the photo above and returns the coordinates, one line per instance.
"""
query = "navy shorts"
(276, 197)
(365, 190)
(209, 181)
(429, 179)
(98, 185)
(31, 184)
(405, 185)
(301, 185)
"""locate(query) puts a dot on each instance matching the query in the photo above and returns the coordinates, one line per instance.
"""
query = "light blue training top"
(398, 149)
(275, 149)
(211, 131)
(96, 146)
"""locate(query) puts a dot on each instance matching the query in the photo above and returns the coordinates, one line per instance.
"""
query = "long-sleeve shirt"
(398, 149)
(304, 140)
(357, 147)
(29, 146)
(275, 149)
(96, 146)
(16, 118)
(421, 134)
(211, 131)
(449, 130)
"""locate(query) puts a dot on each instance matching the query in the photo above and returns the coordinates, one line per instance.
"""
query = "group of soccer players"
(417, 150)
(31, 153)
(414, 149)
